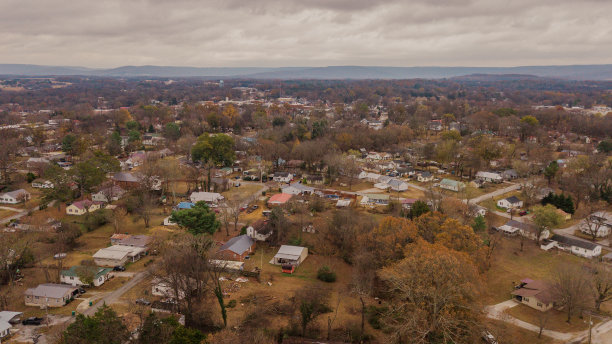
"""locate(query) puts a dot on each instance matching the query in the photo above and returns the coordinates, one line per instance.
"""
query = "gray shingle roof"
(238, 245)
(574, 242)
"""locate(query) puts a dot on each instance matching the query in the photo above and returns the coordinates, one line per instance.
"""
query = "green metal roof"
(73, 271)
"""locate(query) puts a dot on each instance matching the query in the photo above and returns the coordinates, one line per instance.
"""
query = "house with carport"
(50, 295)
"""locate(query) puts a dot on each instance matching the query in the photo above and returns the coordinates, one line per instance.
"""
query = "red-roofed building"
(279, 199)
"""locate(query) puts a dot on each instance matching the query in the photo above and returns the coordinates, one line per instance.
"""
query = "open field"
(510, 265)
(6, 213)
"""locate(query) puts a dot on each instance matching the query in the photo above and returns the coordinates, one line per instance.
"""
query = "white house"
(578, 247)
(118, 255)
(398, 185)
(208, 197)
(513, 227)
(113, 192)
(14, 197)
(79, 208)
(451, 185)
(369, 176)
(283, 177)
(259, 230)
(7, 319)
(511, 202)
(163, 289)
(491, 177)
(42, 184)
(375, 199)
(598, 224)
(71, 276)
(291, 255)
(424, 177)
(298, 189)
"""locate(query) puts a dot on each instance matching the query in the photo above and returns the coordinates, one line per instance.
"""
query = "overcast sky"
(267, 33)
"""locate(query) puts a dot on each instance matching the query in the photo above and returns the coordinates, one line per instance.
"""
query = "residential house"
(491, 177)
(34, 163)
(374, 156)
(375, 199)
(599, 224)
(152, 140)
(535, 294)
(382, 186)
(451, 185)
(184, 205)
(514, 227)
(126, 180)
(404, 171)
(511, 202)
(578, 247)
(50, 295)
(424, 177)
(369, 176)
(509, 174)
(118, 255)
(135, 159)
(7, 320)
(138, 240)
(162, 288)
(260, 231)
(435, 125)
(398, 185)
(343, 203)
(408, 202)
(298, 189)
(279, 199)
(290, 255)
(211, 198)
(72, 276)
(313, 179)
(15, 197)
(108, 194)
(79, 208)
(237, 248)
(42, 184)
(283, 177)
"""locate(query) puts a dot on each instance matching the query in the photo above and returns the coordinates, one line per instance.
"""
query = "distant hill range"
(574, 72)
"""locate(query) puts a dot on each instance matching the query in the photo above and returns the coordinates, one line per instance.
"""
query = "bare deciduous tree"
(571, 288)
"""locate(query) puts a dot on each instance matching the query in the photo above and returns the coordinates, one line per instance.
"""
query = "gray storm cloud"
(231, 33)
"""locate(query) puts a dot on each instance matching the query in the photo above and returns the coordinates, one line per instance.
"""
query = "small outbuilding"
(290, 255)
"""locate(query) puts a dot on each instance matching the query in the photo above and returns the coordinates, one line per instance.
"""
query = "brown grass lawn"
(6, 213)
(244, 191)
(510, 266)
(556, 319)
(284, 286)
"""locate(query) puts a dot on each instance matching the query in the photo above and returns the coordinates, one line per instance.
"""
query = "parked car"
(143, 302)
(523, 213)
(82, 290)
(118, 268)
(32, 321)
